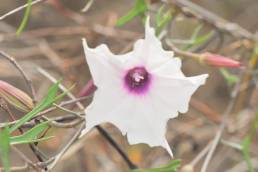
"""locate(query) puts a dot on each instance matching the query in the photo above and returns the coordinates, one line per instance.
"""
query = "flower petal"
(109, 106)
(134, 58)
(101, 65)
(155, 55)
(150, 34)
(148, 52)
(171, 68)
(118, 111)
(176, 91)
(148, 127)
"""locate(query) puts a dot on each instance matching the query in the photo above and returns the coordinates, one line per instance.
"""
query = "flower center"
(137, 80)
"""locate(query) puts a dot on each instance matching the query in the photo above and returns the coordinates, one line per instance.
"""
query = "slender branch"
(27, 160)
(180, 53)
(222, 126)
(67, 146)
(18, 168)
(232, 144)
(211, 18)
(25, 167)
(78, 114)
(200, 155)
(19, 68)
(116, 146)
(19, 9)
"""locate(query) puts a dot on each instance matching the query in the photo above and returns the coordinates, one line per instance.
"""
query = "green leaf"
(201, 39)
(246, 143)
(31, 135)
(5, 148)
(162, 19)
(172, 166)
(139, 9)
(32, 140)
(196, 40)
(25, 18)
(196, 32)
(59, 97)
(47, 101)
(193, 37)
(230, 78)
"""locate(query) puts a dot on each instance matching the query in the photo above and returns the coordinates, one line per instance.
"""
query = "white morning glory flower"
(139, 91)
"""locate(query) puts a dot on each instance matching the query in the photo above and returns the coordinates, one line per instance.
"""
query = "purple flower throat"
(137, 80)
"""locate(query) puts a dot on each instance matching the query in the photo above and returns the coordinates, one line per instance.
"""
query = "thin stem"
(219, 133)
(27, 160)
(19, 68)
(67, 146)
(117, 147)
(200, 155)
(189, 8)
(179, 52)
(19, 9)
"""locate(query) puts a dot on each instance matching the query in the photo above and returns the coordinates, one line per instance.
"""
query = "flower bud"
(15, 97)
(88, 89)
(219, 61)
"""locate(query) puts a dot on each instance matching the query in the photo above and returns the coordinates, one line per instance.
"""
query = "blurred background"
(52, 41)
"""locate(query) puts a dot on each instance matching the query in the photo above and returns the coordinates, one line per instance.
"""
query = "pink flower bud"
(88, 89)
(220, 61)
(15, 97)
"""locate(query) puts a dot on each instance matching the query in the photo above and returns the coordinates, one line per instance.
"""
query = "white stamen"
(137, 77)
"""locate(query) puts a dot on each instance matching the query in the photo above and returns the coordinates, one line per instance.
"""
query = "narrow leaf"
(25, 18)
(230, 78)
(162, 19)
(32, 140)
(31, 135)
(201, 39)
(47, 101)
(197, 40)
(246, 143)
(5, 148)
(139, 9)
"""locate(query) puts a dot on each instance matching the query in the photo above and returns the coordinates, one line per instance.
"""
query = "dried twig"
(19, 9)
(190, 8)
(200, 155)
(19, 68)
(117, 147)
(25, 158)
(66, 147)
(221, 129)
